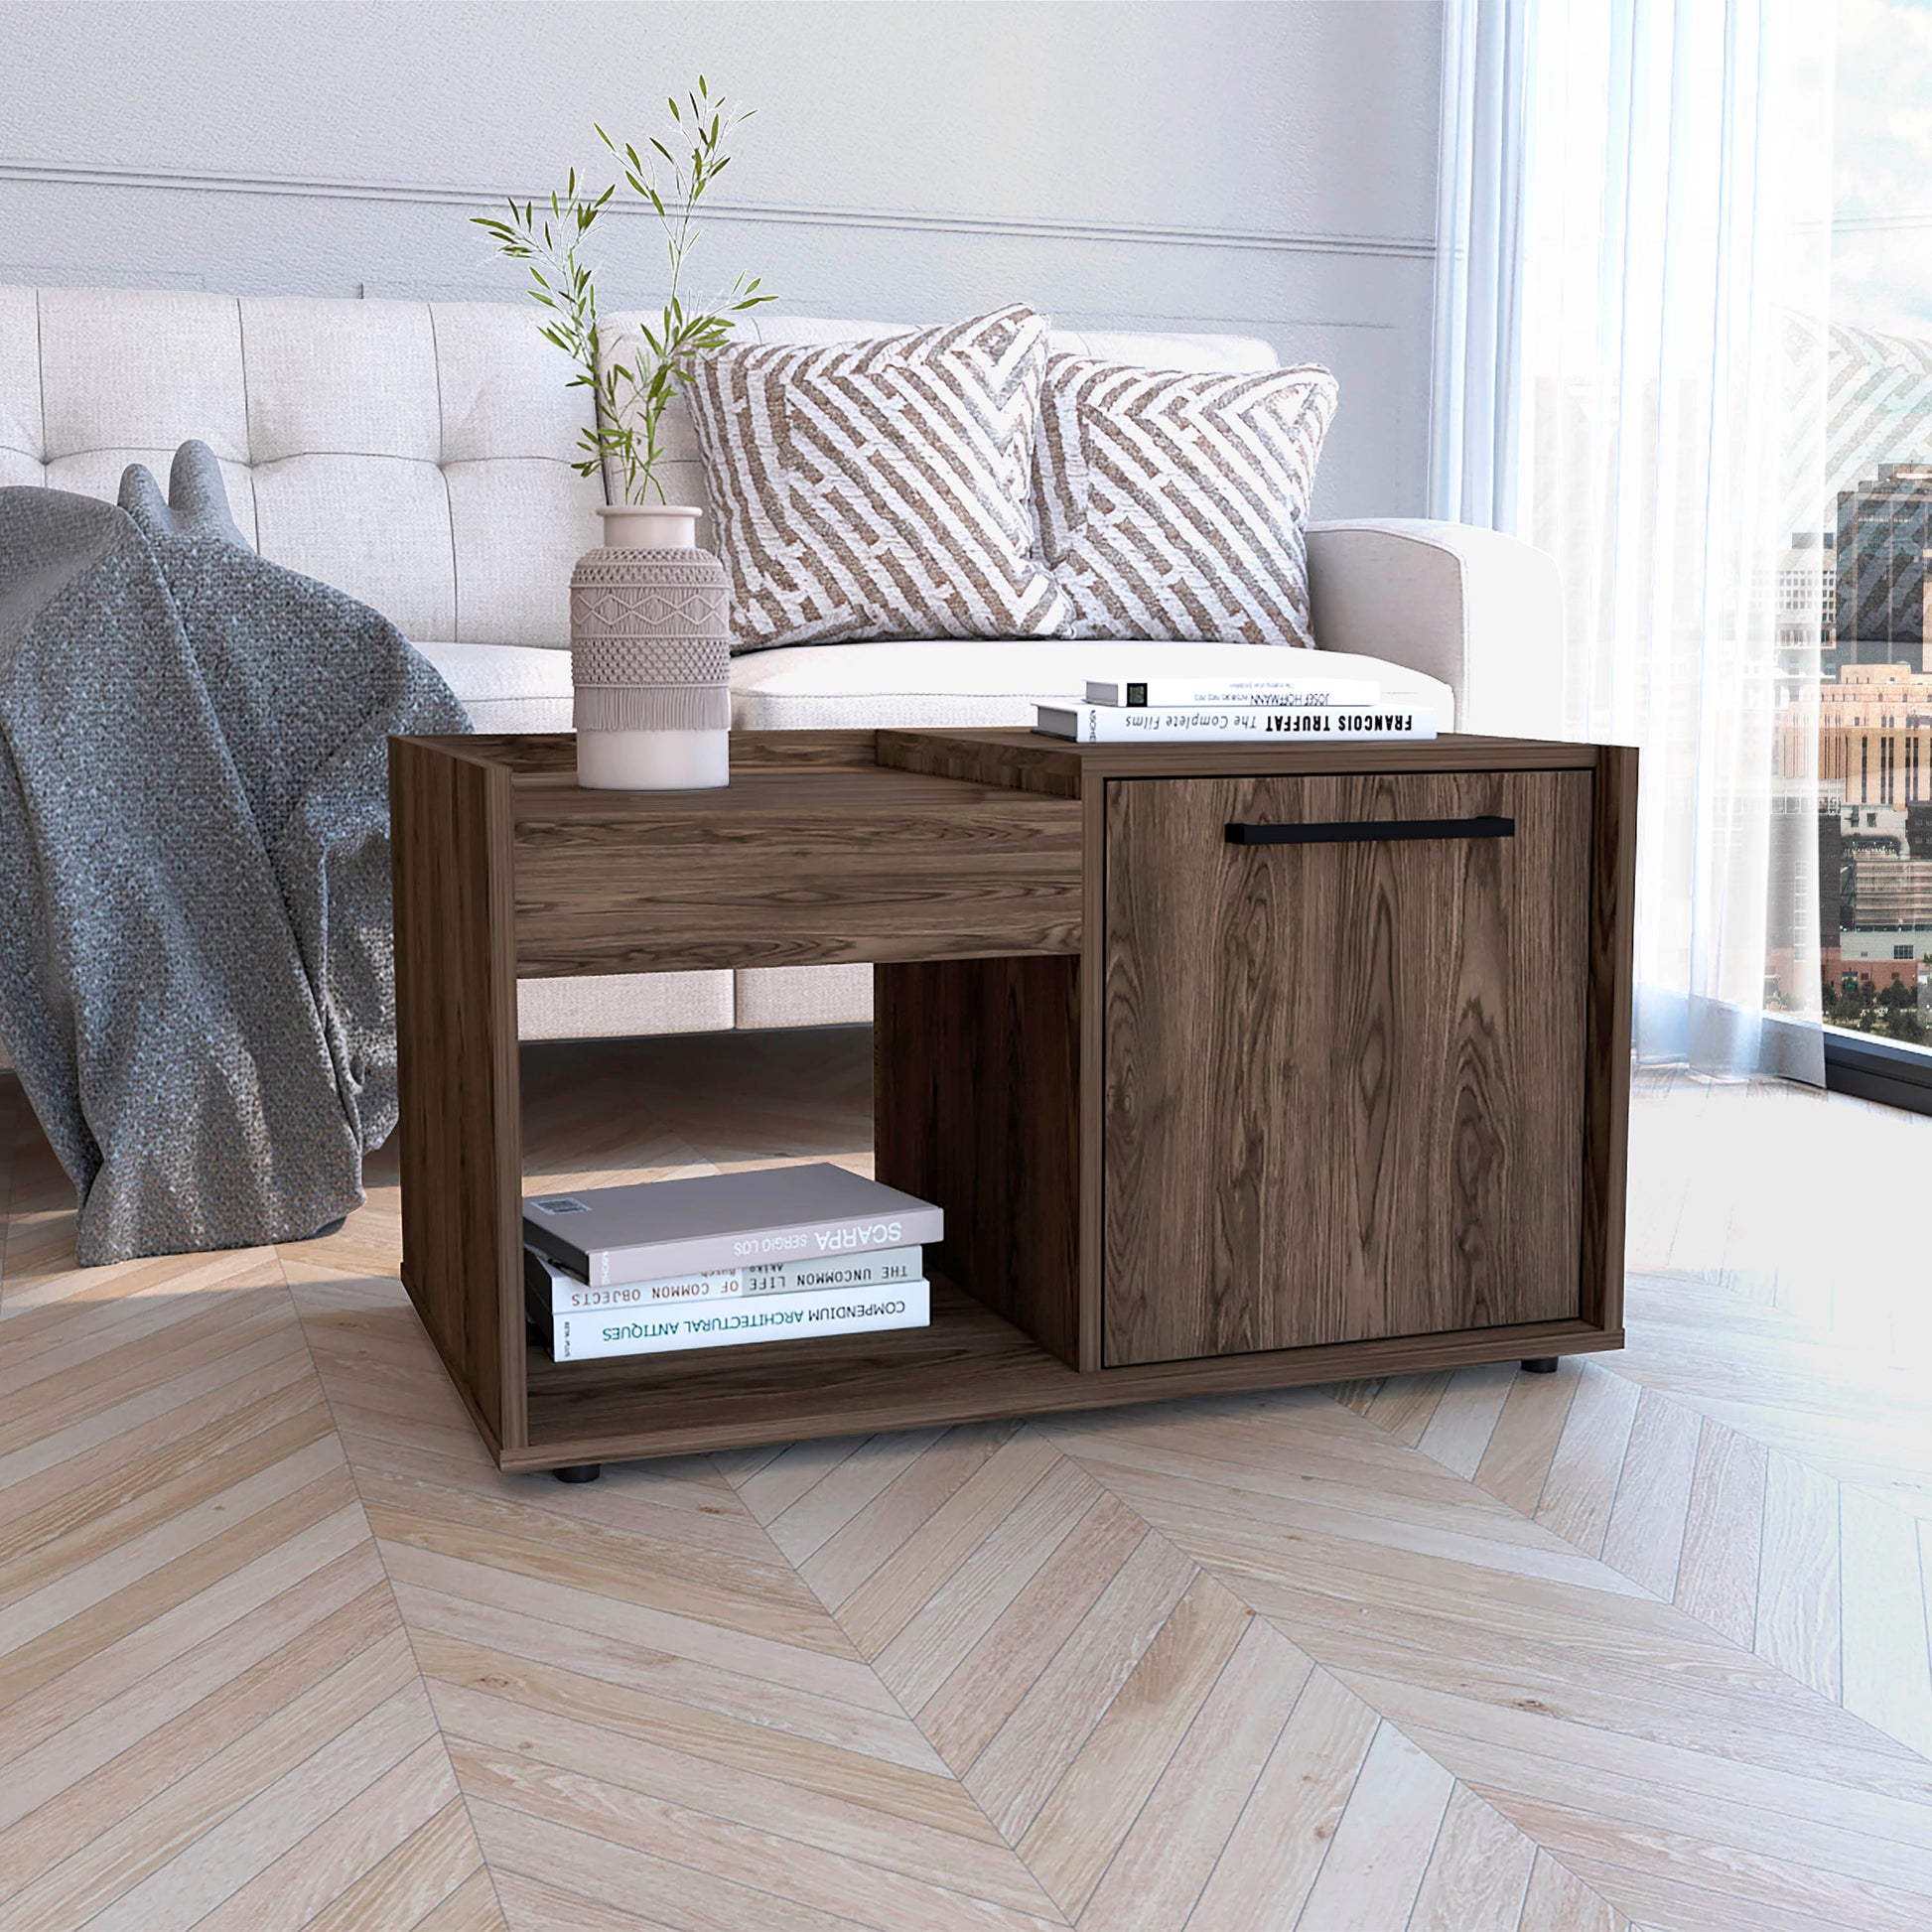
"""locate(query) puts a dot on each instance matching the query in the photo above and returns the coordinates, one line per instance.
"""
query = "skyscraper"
(1884, 536)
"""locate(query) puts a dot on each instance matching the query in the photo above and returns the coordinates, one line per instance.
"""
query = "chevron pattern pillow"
(879, 488)
(1173, 505)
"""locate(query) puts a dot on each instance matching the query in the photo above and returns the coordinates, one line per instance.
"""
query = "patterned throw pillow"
(879, 488)
(1173, 505)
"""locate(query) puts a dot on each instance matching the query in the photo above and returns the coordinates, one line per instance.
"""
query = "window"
(1870, 541)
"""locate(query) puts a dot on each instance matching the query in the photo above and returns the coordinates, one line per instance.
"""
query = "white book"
(565, 1293)
(599, 1334)
(1148, 692)
(650, 1230)
(1100, 724)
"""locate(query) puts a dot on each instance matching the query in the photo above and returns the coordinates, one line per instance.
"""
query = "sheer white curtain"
(1633, 259)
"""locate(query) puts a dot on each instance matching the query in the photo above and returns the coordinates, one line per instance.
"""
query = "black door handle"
(1365, 831)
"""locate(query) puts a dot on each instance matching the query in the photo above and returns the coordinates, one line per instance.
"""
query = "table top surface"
(907, 769)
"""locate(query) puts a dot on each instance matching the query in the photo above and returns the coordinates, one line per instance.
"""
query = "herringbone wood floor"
(1643, 1643)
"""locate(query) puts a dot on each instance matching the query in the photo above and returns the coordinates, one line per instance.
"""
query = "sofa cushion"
(1172, 504)
(879, 488)
(935, 681)
(944, 682)
(506, 687)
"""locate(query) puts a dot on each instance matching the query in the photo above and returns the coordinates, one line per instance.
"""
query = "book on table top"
(568, 1294)
(650, 1230)
(1244, 724)
(1310, 689)
(599, 1334)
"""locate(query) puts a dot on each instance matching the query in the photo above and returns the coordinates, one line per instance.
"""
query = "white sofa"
(419, 455)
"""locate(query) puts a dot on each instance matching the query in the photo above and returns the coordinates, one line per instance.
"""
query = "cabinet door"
(1343, 1078)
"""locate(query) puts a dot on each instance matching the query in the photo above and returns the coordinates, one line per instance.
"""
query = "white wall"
(1263, 169)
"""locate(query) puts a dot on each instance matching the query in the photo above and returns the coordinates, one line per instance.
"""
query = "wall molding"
(790, 214)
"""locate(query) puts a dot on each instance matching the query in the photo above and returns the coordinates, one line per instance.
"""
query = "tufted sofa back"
(414, 454)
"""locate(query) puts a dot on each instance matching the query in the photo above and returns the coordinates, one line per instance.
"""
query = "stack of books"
(1305, 709)
(771, 1254)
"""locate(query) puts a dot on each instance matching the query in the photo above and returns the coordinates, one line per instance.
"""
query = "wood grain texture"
(553, 755)
(1034, 761)
(974, 895)
(1342, 1080)
(968, 1364)
(978, 1107)
(457, 1072)
(1606, 1084)
(791, 867)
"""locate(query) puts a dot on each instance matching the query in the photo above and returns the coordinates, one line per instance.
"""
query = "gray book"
(651, 1229)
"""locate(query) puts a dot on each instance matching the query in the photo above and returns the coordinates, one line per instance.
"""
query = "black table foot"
(1541, 1366)
(579, 1473)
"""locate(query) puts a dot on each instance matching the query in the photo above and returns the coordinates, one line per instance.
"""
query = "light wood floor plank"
(1580, 1490)
(1383, 1842)
(1644, 1705)
(966, 1711)
(167, 1509)
(426, 1873)
(79, 1639)
(1756, 1859)
(957, 1617)
(133, 1457)
(810, 1671)
(1556, 1900)
(1717, 1571)
(804, 1526)
(848, 1826)
(475, 1906)
(1269, 1863)
(1156, 1876)
(1675, 1883)
(740, 1694)
(893, 1594)
(356, 1839)
(1762, 1807)
(1516, 1461)
(757, 1859)
(1459, 1428)
(192, 1843)
(180, 1634)
(1478, 1870)
(1887, 1675)
(1405, 1403)
(622, 1878)
(303, 1453)
(892, 1788)
(55, 1798)
(1031, 1750)
(879, 1531)
(535, 1906)
(1072, 1838)
(763, 1600)
(1798, 1602)
(1653, 1495)
(160, 1414)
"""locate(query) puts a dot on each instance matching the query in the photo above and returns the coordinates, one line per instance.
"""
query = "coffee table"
(1232, 1069)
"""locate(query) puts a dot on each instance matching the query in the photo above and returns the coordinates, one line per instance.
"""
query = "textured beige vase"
(651, 656)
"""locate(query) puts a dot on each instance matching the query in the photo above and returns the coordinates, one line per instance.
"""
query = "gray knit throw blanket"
(196, 979)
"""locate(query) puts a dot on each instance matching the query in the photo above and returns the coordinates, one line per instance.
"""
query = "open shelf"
(966, 1365)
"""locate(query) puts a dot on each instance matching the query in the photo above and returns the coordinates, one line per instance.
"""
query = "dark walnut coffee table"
(1231, 1069)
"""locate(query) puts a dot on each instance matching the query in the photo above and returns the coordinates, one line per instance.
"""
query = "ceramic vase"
(650, 656)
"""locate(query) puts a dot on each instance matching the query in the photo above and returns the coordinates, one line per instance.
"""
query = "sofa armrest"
(1480, 611)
